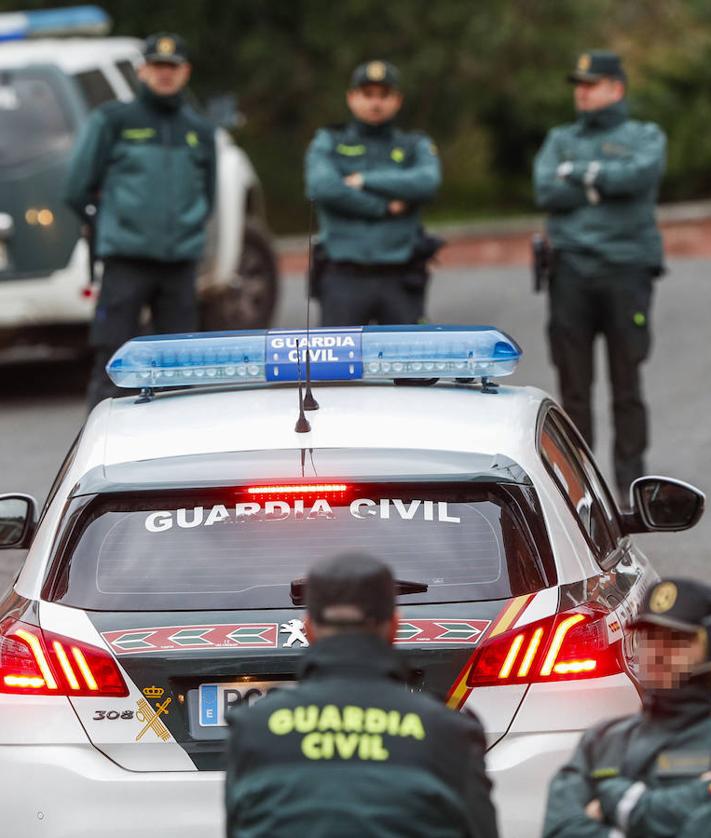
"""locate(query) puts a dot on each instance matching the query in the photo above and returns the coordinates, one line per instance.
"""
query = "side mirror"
(223, 111)
(18, 519)
(661, 504)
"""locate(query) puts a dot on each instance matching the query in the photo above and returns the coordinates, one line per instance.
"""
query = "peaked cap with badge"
(376, 72)
(165, 48)
(677, 604)
(597, 64)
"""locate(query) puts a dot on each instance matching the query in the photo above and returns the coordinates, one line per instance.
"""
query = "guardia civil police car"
(48, 86)
(164, 579)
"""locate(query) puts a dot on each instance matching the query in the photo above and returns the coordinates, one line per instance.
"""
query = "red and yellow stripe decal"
(507, 617)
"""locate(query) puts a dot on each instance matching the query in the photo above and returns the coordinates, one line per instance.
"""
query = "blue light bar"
(75, 20)
(348, 354)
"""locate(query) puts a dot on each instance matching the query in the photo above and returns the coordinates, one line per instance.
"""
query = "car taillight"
(564, 647)
(37, 662)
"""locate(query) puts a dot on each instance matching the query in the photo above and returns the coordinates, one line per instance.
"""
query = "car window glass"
(567, 471)
(232, 550)
(600, 489)
(129, 74)
(61, 474)
(33, 119)
(95, 87)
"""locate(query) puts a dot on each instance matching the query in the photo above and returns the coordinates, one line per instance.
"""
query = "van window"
(95, 87)
(128, 71)
(33, 120)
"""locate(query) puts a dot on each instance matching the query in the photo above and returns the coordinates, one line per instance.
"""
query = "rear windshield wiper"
(402, 586)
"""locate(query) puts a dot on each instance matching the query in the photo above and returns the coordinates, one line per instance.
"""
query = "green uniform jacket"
(645, 772)
(620, 228)
(354, 224)
(352, 753)
(152, 163)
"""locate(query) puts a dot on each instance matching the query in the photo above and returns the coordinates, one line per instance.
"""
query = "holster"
(541, 262)
(319, 260)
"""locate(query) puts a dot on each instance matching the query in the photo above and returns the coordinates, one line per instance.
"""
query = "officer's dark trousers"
(127, 287)
(355, 295)
(617, 306)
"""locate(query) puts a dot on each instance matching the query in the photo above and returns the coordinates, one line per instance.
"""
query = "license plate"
(3, 256)
(216, 699)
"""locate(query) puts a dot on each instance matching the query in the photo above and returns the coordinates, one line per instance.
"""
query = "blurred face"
(591, 96)
(163, 78)
(667, 657)
(374, 103)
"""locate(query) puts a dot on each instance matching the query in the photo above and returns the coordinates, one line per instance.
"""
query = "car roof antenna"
(302, 423)
(310, 402)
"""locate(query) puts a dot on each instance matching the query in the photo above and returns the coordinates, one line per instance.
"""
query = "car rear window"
(233, 549)
(33, 119)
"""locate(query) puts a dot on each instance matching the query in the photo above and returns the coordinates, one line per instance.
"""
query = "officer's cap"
(351, 589)
(376, 72)
(678, 604)
(598, 64)
(165, 48)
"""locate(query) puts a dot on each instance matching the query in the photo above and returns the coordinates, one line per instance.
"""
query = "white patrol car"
(48, 86)
(164, 579)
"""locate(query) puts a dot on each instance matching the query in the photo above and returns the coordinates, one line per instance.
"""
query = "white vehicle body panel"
(73, 55)
(56, 298)
(73, 791)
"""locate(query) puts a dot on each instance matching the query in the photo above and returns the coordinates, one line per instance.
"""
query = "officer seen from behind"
(351, 751)
(149, 167)
(598, 178)
(369, 180)
(649, 775)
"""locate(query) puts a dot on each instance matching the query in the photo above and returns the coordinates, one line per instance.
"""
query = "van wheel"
(249, 300)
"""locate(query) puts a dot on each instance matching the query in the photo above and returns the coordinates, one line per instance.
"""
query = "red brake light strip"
(298, 489)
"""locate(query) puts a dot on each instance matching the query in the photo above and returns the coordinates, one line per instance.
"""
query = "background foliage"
(485, 79)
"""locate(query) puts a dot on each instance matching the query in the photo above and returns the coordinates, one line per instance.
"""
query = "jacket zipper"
(169, 215)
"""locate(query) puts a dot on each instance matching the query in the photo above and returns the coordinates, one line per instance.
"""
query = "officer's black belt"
(379, 268)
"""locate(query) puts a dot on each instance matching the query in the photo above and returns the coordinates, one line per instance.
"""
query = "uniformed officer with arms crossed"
(369, 180)
(649, 775)
(350, 751)
(598, 178)
(149, 167)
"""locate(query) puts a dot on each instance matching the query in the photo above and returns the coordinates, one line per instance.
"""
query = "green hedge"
(485, 79)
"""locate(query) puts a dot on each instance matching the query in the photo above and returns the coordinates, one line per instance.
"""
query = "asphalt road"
(41, 407)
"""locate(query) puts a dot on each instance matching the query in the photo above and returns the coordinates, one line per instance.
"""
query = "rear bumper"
(48, 300)
(73, 791)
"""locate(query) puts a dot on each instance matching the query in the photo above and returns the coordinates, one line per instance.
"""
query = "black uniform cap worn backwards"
(165, 48)
(351, 589)
(597, 64)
